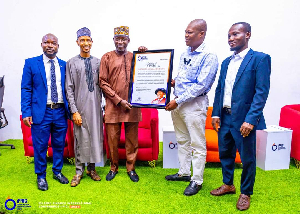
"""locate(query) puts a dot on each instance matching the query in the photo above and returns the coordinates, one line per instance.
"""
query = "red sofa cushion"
(144, 136)
(290, 118)
(146, 118)
(28, 145)
(147, 137)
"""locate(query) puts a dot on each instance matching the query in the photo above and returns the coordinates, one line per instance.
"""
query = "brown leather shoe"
(93, 174)
(76, 180)
(243, 203)
(224, 189)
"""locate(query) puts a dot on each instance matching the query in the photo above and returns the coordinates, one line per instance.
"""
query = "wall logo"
(173, 145)
(141, 58)
(279, 147)
(11, 204)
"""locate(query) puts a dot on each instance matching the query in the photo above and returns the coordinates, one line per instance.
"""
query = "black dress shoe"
(192, 189)
(111, 175)
(61, 178)
(42, 184)
(133, 176)
(177, 177)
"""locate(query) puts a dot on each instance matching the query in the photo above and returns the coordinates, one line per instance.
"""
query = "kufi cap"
(121, 31)
(160, 89)
(83, 32)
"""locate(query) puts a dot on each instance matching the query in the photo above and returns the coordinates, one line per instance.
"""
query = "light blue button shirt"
(197, 73)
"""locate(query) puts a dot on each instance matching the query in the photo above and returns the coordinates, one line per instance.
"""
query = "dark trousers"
(55, 124)
(113, 131)
(231, 139)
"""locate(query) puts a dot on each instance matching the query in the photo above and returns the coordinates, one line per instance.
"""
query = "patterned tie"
(54, 96)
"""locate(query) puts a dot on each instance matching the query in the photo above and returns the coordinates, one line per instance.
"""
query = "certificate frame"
(151, 73)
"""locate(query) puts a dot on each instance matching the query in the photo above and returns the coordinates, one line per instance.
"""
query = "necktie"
(54, 96)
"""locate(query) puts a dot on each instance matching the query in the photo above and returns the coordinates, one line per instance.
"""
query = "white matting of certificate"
(150, 73)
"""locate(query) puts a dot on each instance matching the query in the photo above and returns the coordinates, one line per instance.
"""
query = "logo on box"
(279, 147)
(173, 145)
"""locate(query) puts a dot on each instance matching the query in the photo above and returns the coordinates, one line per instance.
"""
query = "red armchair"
(28, 147)
(290, 118)
(148, 138)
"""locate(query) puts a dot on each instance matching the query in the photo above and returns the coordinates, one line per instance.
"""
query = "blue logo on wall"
(279, 147)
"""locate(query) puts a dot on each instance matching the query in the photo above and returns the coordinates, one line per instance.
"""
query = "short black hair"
(160, 89)
(246, 25)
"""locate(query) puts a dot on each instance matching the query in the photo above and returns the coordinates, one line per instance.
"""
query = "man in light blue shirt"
(197, 72)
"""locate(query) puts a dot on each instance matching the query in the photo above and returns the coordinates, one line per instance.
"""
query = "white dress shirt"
(233, 67)
(47, 64)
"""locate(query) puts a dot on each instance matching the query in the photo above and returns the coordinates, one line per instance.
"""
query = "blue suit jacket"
(34, 88)
(250, 90)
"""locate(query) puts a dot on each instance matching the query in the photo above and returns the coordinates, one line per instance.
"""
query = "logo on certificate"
(141, 58)
(138, 99)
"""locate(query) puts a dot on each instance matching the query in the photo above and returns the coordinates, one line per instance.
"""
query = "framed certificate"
(150, 79)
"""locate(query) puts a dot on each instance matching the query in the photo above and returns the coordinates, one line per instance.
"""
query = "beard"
(50, 55)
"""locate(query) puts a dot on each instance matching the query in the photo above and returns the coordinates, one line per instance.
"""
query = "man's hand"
(215, 124)
(246, 128)
(27, 121)
(172, 83)
(125, 104)
(142, 49)
(171, 105)
(77, 118)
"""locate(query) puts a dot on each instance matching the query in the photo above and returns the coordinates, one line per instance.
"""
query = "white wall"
(155, 24)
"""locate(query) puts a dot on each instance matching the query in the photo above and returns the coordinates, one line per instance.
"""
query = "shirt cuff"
(215, 117)
(178, 100)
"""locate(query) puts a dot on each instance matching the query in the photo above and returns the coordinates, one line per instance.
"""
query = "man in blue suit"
(240, 97)
(44, 108)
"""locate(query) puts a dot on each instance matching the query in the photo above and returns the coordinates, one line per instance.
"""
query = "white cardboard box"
(170, 148)
(273, 148)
